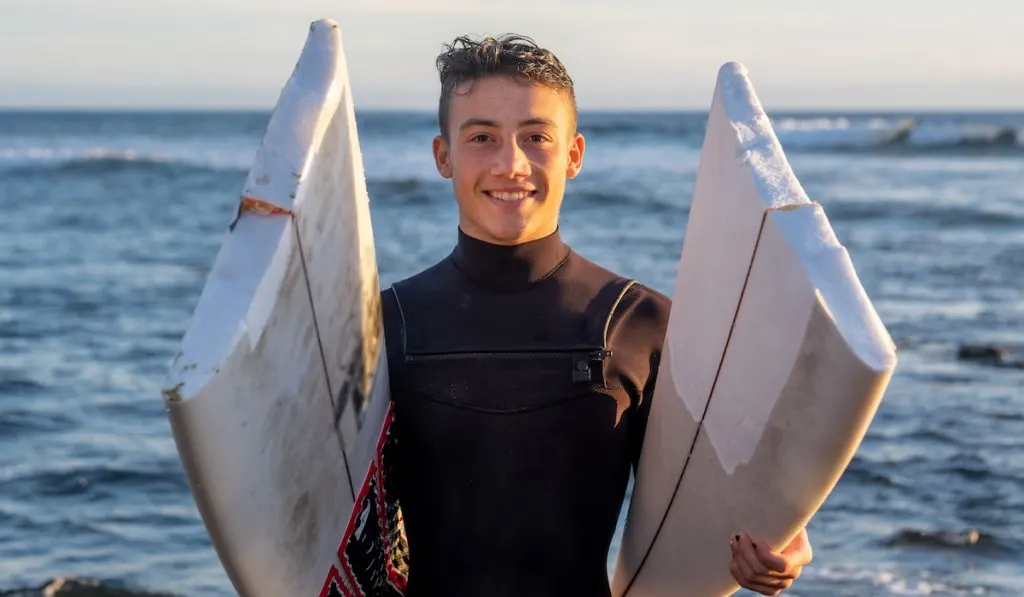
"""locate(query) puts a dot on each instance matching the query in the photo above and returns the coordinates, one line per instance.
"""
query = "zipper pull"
(584, 365)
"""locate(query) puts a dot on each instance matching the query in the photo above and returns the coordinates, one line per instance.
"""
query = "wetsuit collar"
(509, 268)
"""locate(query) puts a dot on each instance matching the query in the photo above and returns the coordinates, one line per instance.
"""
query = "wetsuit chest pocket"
(507, 381)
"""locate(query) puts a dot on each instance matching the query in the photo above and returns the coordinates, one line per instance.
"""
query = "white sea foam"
(824, 133)
(28, 152)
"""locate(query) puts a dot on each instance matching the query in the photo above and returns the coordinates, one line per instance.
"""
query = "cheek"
(467, 166)
(555, 173)
(465, 178)
(554, 163)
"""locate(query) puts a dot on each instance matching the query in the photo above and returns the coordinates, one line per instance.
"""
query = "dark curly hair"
(467, 60)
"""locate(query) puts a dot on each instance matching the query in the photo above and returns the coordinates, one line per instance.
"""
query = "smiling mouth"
(510, 196)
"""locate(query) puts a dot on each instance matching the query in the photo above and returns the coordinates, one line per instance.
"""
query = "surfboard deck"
(279, 395)
(773, 366)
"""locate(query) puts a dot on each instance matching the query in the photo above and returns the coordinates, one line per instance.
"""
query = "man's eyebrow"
(478, 122)
(537, 120)
(492, 124)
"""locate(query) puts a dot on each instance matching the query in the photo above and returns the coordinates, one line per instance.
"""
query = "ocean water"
(109, 223)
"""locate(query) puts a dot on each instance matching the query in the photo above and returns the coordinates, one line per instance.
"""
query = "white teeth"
(510, 196)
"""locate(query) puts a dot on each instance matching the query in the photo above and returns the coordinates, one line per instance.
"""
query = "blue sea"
(109, 223)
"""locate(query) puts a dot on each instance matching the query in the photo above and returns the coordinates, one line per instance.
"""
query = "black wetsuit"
(521, 379)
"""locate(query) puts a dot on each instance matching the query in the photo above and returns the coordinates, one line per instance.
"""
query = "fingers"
(760, 559)
(758, 569)
(772, 561)
(743, 553)
(767, 590)
(765, 585)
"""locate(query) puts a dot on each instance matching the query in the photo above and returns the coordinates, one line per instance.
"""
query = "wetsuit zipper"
(584, 359)
(508, 354)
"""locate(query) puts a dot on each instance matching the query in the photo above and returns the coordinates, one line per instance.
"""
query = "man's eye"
(481, 138)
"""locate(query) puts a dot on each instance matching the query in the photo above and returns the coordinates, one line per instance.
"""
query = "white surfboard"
(280, 392)
(773, 366)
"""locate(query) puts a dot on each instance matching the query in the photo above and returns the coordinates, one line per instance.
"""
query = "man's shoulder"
(635, 332)
(433, 277)
(645, 307)
(418, 293)
(638, 300)
(639, 313)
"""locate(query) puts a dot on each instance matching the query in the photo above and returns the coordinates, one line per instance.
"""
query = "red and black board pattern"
(373, 554)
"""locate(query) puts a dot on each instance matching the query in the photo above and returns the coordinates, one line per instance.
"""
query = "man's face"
(511, 146)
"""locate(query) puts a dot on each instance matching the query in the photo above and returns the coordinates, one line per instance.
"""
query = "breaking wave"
(911, 134)
(105, 160)
(905, 135)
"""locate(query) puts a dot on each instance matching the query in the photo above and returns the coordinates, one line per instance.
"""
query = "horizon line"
(15, 109)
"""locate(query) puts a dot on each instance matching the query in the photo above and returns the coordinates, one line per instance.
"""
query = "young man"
(521, 373)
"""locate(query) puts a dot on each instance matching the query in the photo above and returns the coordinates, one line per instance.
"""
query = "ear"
(576, 149)
(442, 157)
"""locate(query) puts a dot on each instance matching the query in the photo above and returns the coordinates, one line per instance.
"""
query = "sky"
(626, 54)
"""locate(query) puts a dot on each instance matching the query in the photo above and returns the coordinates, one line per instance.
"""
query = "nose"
(510, 161)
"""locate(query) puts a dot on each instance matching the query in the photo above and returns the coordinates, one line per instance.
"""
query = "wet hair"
(466, 60)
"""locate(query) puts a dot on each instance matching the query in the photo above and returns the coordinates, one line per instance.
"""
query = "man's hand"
(756, 567)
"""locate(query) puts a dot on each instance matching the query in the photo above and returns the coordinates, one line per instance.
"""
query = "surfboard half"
(279, 394)
(774, 364)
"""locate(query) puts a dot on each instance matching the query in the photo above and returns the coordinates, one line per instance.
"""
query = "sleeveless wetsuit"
(521, 379)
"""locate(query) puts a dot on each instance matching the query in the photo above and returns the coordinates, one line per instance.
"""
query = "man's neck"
(509, 267)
